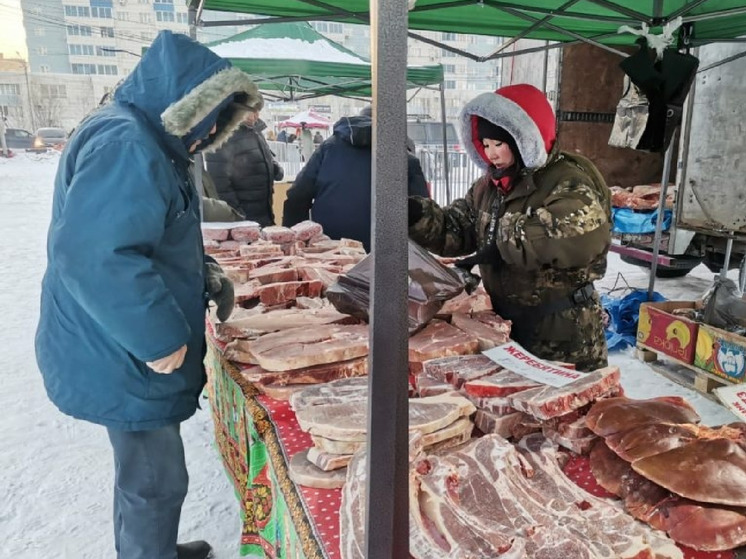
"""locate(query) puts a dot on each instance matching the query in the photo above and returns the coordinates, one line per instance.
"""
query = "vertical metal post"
(198, 164)
(387, 520)
(546, 68)
(446, 172)
(661, 211)
(726, 262)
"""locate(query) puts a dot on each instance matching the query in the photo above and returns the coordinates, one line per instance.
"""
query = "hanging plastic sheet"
(638, 223)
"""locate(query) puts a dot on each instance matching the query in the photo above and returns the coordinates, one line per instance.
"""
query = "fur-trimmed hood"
(183, 89)
(520, 109)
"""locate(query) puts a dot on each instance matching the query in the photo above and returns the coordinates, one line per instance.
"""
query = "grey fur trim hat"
(182, 116)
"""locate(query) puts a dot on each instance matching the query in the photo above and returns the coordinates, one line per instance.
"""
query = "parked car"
(18, 138)
(50, 137)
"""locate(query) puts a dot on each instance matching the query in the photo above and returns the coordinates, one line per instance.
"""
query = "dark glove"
(471, 281)
(279, 172)
(220, 289)
(415, 210)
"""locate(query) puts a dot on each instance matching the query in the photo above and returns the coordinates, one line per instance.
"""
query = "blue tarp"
(638, 223)
(624, 314)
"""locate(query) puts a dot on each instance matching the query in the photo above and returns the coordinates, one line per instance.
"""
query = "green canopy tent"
(593, 21)
(292, 61)
(566, 21)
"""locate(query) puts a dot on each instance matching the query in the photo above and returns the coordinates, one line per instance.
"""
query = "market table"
(256, 437)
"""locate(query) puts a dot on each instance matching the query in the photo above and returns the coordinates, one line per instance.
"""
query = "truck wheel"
(661, 271)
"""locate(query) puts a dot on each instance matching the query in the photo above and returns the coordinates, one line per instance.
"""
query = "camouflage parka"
(552, 238)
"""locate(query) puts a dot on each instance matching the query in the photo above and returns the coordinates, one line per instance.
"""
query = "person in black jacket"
(334, 186)
(244, 172)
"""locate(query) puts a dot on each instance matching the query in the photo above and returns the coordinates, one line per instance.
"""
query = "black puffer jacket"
(244, 172)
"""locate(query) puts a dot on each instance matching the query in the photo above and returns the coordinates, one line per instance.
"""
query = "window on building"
(10, 89)
(322, 26)
(336, 28)
(39, 31)
(164, 16)
(53, 90)
(82, 30)
(41, 50)
(81, 50)
(105, 51)
(163, 1)
(101, 12)
(84, 68)
(107, 32)
(146, 36)
(449, 68)
(146, 18)
(44, 69)
(77, 11)
(107, 69)
(143, 1)
(182, 18)
(448, 37)
(450, 84)
(448, 54)
(123, 16)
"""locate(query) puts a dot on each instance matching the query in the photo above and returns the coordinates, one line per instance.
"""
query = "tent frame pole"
(444, 127)
(660, 214)
(387, 505)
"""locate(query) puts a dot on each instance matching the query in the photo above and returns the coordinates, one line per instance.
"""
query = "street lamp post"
(28, 91)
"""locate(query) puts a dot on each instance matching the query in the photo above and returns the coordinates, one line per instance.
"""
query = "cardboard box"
(661, 331)
(721, 353)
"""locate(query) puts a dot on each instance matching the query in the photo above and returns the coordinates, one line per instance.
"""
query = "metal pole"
(546, 68)
(445, 142)
(387, 504)
(726, 262)
(661, 210)
(28, 94)
(198, 164)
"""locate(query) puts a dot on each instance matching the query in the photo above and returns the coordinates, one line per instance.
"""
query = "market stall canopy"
(293, 61)
(554, 20)
(312, 120)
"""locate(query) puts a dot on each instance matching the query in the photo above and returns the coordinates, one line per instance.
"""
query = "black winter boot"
(194, 550)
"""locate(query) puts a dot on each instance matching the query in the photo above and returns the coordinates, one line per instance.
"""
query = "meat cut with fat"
(343, 391)
(499, 385)
(297, 348)
(440, 339)
(308, 375)
(489, 329)
(547, 402)
(459, 369)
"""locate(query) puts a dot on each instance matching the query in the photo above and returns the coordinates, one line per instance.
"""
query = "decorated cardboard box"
(659, 330)
(721, 353)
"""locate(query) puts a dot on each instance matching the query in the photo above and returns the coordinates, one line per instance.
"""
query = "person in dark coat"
(334, 186)
(244, 171)
(121, 334)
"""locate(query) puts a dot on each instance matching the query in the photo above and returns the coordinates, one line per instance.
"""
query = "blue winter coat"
(334, 186)
(124, 281)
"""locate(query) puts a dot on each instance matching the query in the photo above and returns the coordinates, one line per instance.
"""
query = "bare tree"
(46, 107)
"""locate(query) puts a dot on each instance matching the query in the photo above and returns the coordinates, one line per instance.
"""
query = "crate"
(721, 353)
(661, 331)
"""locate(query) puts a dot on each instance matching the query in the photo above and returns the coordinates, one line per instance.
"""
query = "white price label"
(514, 358)
(734, 398)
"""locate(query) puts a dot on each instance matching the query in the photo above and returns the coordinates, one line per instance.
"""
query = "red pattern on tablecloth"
(578, 469)
(322, 504)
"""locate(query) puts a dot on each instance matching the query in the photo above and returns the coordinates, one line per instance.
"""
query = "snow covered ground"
(56, 472)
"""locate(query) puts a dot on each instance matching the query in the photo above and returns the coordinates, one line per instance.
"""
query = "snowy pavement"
(56, 472)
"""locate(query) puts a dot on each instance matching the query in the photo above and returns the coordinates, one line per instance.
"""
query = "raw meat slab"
(304, 473)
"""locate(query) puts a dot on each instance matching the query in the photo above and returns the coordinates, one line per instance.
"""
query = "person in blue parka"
(120, 339)
(333, 188)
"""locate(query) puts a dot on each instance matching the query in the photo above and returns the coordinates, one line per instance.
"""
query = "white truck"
(710, 206)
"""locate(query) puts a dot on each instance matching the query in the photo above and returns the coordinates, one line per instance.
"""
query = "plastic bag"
(638, 222)
(430, 285)
(724, 306)
(623, 316)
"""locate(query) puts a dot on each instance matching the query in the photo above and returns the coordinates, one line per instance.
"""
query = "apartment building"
(77, 51)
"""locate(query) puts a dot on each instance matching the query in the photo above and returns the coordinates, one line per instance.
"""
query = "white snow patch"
(285, 48)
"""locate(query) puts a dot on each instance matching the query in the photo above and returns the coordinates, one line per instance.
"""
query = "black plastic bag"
(724, 306)
(431, 284)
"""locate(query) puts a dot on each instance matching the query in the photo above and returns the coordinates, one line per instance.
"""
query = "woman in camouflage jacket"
(539, 222)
